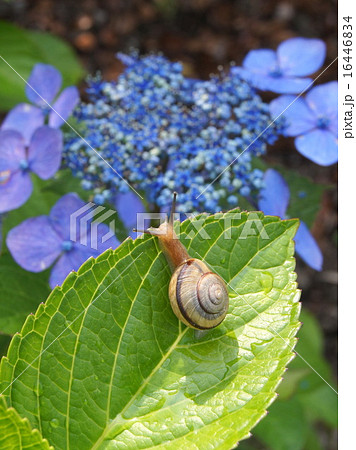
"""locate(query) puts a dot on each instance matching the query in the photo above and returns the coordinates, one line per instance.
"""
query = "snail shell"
(198, 297)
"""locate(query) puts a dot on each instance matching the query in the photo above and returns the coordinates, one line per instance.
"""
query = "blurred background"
(203, 35)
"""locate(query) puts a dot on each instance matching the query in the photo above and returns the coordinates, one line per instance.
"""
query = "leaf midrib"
(120, 340)
(143, 385)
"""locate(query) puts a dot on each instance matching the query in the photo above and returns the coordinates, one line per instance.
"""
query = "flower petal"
(323, 101)
(260, 61)
(320, 146)
(279, 85)
(74, 258)
(307, 247)
(44, 81)
(15, 191)
(63, 106)
(45, 152)
(69, 261)
(128, 206)
(299, 57)
(34, 244)
(25, 119)
(12, 150)
(299, 117)
(274, 197)
(288, 85)
(99, 238)
(65, 215)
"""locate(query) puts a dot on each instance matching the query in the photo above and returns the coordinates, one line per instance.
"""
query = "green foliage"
(4, 343)
(22, 49)
(105, 358)
(305, 399)
(16, 432)
(21, 292)
(305, 195)
(286, 426)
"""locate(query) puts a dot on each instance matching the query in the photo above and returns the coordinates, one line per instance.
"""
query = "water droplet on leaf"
(54, 423)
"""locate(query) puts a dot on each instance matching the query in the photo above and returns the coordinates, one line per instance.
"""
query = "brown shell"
(198, 297)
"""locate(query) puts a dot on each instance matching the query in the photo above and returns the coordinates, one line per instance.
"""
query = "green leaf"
(285, 428)
(4, 343)
(305, 195)
(106, 361)
(291, 381)
(304, 398)
(321, 404)
(313, 441)
(315, 394)
(310, 347)
(16, 432)
(21, 293)
(22, 49)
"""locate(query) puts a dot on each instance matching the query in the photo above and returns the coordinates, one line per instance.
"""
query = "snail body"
(198, 296)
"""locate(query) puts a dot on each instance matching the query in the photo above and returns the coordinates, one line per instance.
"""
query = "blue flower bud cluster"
(161, 131)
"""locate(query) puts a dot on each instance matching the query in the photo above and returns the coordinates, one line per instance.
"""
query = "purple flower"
(274, 200)
(43, 86)
(38, 242)
(279, 71)
(128, 206)
(313, 120)
(17, 160)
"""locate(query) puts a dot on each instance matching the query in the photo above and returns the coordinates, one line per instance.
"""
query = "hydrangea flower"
(39, 242)
(313, 120)
(17, 160)
(280, 71)
(274, 200)
(162, 132)
(128, 206)
(46, 80)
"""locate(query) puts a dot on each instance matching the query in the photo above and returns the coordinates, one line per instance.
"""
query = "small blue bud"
(67, 246)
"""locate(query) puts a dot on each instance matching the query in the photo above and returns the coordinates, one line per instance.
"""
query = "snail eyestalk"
(173, 209)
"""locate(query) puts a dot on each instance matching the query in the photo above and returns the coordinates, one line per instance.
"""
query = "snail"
(198, 296)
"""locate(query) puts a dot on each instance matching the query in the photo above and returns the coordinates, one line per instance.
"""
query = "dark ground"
(204, 34)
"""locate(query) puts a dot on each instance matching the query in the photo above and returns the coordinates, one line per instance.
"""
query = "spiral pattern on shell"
(199, 297)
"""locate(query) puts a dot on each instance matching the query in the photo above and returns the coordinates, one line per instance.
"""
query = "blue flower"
(17, 160)
(46, 80)
(314, 120)
(279, 71)
(274, 200)
(128, 207)
(162, 132)
(39, 242)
